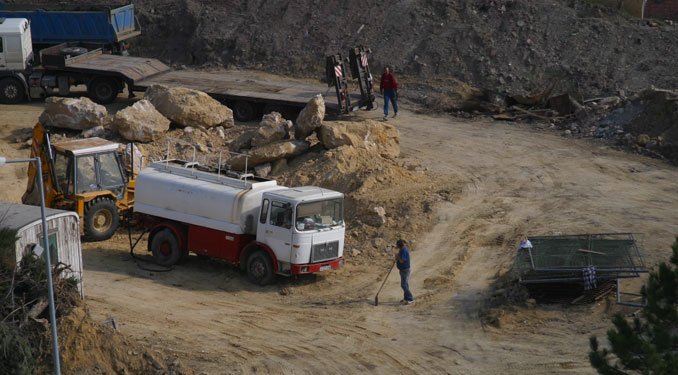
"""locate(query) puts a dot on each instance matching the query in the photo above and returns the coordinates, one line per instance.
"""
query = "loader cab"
(88, 165)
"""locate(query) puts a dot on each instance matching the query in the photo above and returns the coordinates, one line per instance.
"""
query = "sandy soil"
(515, 181)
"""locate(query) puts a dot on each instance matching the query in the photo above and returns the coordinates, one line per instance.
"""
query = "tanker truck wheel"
(165, 248)
(259, 268)
(101, 219)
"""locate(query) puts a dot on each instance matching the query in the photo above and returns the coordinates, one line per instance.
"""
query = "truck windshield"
(320, 214)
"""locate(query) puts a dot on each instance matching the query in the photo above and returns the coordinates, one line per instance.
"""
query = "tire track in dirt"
(516, 182)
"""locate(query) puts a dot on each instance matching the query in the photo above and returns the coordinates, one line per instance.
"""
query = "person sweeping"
(402, 259)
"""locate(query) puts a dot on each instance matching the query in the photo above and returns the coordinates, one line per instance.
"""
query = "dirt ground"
(508, 181)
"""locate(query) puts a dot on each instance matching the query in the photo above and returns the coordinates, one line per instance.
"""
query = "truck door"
(277, 231)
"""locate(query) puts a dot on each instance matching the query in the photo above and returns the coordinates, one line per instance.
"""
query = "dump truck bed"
(61, 24)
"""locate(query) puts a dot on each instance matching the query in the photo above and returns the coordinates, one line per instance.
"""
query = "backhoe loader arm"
(41, 148)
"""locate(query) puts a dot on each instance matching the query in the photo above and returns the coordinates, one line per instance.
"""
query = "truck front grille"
(325, 251)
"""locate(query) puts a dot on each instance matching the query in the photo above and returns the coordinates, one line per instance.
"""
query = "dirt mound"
(89, 347)
(404, 194)
(84, 346)
(499, 46)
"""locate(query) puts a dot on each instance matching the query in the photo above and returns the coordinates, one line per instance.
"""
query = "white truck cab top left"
(16, 49)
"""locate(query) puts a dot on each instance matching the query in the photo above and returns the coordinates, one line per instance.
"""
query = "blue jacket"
(404, 255)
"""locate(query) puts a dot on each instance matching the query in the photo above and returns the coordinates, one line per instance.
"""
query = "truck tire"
(103, 90)
(11, 91)
(260, 268)
(101, 219)
(165, 248)
(244, 111)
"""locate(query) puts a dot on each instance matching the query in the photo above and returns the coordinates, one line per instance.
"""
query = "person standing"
(388, 87)
(402, 259)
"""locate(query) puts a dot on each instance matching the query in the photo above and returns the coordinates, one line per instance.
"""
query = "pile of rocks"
(268, 147)
(145, 121)
(209, 128)
(646, 122)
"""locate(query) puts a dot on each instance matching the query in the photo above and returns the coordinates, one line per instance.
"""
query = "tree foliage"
(648, 344)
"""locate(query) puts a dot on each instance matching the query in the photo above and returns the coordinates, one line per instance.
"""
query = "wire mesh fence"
(565, 258)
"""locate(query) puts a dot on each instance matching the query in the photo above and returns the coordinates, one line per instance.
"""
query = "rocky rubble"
(646, 123)
(273, 127)
(271, 140)
(383, 138)
(268, 153)
(73, 113)
(186, 107)
(499, 46)
(310, 118)
(140, 122)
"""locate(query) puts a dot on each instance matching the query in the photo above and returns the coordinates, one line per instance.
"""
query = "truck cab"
(16, 54)
(304, 227)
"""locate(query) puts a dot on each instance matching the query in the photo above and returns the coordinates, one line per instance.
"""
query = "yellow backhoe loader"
(85, 176)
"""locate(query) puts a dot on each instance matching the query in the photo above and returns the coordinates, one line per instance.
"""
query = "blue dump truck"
(108, 27)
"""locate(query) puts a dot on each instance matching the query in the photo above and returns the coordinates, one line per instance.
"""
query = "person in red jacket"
(389, 88)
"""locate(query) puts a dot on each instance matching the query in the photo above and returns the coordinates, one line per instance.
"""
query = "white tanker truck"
(265, 228)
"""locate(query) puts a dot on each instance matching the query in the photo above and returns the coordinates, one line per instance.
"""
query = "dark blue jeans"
(393, 97)
(405, 284)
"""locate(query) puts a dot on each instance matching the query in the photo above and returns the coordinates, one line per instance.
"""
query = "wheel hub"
(103, 91)
(102, 220)
(11, 91)
(165, 249)
(258, 269)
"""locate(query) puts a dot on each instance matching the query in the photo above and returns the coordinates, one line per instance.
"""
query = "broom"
(376, 298)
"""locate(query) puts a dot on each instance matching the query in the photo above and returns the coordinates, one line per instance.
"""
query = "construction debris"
(577, 268)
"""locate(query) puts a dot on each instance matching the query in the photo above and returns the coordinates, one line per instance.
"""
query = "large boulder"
(273, 127)
(187, 107)
(73, 113)
(141, 122)
(268, 153)
(310, 118)
(369, 134)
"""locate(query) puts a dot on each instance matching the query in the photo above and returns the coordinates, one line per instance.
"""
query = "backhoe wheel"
(101, 219)
(165, 248)
(260, 268)
(11, 91)
(103, 91)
